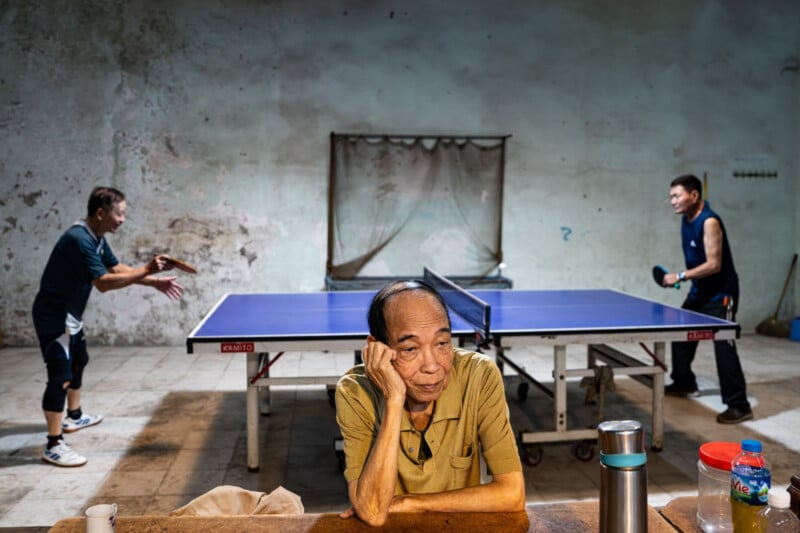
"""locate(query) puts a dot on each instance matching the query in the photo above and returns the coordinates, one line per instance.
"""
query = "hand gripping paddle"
(658, 275)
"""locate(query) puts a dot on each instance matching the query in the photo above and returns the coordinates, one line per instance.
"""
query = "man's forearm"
(506, 493)
(120, 277)
(146, 281)
(371, 494)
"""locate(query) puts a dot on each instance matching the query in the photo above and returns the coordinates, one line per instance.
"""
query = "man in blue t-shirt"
(714, 292)
(81, 259)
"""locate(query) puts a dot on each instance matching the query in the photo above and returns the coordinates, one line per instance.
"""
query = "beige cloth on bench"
(229, 500)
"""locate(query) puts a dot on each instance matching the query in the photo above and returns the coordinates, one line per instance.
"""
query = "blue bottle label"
(750, 485)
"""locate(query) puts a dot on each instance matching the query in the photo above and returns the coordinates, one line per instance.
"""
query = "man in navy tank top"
(714, 292)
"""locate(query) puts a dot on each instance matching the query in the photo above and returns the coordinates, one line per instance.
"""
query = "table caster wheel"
(584, 450)
(532, 454)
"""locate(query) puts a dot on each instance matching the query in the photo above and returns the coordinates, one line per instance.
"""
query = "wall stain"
(170, 146)
(12, 224)
(386, 189)
(30, 199)
(52, 210)
(192, 228)
(251, 256)
(210, 244)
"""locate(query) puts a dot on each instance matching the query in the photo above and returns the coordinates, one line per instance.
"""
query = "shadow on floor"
(22, 444)
(196, 440)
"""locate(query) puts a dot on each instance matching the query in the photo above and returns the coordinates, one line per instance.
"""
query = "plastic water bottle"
(777, 517)
(750, 482)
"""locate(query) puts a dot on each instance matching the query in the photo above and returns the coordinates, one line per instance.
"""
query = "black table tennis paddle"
(658, 275)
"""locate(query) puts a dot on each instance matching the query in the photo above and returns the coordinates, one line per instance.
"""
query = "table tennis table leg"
(560, 384)
(658, 400)
(253, 459)
(264, 405)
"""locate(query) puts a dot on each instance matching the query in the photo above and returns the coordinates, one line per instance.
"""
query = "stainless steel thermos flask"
(623, 477)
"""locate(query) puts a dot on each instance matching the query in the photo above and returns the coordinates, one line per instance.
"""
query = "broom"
(772, 327)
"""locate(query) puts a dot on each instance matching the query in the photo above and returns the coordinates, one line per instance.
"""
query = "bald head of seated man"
(418, 413)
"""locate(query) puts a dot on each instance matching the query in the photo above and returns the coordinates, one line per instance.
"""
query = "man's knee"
(59, 377)
(79, 357)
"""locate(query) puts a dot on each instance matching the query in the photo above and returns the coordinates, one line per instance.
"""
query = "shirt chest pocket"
(461, 467)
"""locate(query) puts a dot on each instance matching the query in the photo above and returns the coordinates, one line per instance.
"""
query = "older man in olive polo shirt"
(418, 413)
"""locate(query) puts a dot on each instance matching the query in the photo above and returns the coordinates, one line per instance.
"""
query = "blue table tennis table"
(272, 323)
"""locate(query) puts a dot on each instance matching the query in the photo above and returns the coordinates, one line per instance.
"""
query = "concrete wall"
(214, 118)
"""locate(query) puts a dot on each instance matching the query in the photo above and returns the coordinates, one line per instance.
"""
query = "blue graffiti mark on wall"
(567, 232)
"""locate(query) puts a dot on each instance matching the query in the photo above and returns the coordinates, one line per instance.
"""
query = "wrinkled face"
(682, 201)
(418, 330)
(111, 220)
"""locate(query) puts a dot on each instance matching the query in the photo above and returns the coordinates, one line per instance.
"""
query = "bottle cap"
(621, 437)
(719, 454)
(751, 445)
(778, 498)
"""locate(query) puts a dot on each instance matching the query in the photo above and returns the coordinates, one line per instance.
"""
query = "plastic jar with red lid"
(714, 486)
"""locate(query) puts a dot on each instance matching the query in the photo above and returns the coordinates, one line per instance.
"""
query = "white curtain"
(400, 203)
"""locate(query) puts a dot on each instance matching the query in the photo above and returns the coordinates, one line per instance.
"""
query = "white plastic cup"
(101, 518)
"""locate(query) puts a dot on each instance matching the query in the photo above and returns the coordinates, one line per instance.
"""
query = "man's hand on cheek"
(379, 361)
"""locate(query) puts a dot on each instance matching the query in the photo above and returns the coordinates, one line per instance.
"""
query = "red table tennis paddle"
(658, 275)
(181, 265)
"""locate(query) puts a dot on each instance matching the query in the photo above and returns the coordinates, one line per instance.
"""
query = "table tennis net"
(466, 305)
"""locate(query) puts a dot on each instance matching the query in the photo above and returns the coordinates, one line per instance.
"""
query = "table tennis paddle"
(658, 275)
(181, 265)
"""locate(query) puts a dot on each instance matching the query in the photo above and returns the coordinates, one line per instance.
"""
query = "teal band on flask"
(623, 460)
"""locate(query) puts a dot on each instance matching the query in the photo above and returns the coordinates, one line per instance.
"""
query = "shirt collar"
(83, 224)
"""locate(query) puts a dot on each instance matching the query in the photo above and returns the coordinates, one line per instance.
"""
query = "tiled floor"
(175, 428)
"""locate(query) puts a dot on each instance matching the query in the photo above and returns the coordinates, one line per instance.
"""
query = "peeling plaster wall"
(213, 118)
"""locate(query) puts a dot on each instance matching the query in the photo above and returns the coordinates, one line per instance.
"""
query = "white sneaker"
(62, 455)
(69, 425)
